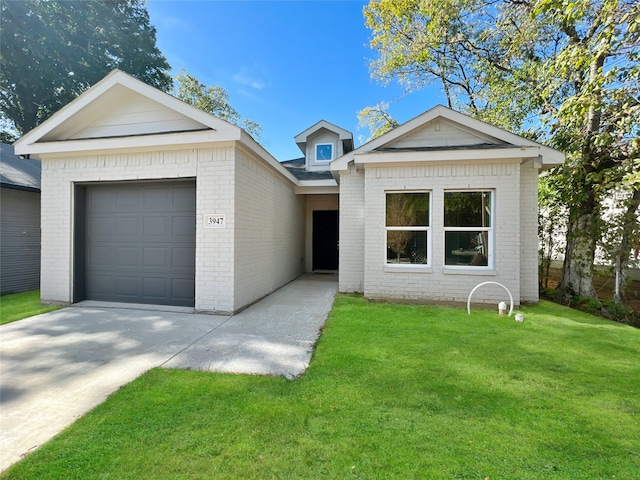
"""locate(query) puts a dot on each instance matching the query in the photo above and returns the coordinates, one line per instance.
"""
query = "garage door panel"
(100, 255)
(156, 226)
(183, 257)
(127, 256)
(127, 226)
(157, 199)
(100, 228)
(127, 287)
(184, 198)
(182, 287)
(140, 243)
(128, 200)
(101, 201)
(183, 227)
(155, 257)
(100, 285)
(156, 287)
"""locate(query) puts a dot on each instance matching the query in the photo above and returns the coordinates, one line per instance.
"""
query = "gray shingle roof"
(298, 169)
(17, 173)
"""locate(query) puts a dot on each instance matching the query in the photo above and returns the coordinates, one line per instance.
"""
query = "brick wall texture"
(363, 255)
(259, 250)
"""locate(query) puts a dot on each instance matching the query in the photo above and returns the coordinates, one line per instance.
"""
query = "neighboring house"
(19, 222)
(147, 199)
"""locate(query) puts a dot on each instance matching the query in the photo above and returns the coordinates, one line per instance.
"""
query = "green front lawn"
(393, 391)
(17, 306)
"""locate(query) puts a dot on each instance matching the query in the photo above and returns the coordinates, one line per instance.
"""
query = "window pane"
(467, 209)
(466, 248)
(406, 247)
(407, 210)
(324, 152)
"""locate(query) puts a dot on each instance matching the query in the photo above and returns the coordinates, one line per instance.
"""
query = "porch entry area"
(325, 240)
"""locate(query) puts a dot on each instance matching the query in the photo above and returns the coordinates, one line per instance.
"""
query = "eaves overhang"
(446, 156)
(317, 187)
(129, 143)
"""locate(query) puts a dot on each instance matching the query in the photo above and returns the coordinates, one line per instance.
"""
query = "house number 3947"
(214, 221)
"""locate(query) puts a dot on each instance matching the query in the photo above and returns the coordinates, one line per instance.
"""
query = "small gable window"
(324, 152)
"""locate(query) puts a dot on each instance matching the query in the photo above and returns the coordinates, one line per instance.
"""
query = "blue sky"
(285, 64)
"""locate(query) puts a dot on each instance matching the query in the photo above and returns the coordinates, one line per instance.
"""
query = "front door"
(325, 240)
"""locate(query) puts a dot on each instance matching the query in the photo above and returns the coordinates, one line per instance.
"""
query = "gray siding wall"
(19, 241)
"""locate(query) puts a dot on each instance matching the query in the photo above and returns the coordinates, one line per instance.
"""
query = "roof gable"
(343, 135)
(441, 132)
(441, 128)
(118, 106)
(121, 111)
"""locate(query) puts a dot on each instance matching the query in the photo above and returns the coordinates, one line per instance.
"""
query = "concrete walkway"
(56, 366)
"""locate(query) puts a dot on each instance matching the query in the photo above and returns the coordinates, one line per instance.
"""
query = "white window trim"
(323, 145)
(491, 244)
(407, 267)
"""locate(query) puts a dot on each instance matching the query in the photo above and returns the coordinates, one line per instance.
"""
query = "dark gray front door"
(140, 243)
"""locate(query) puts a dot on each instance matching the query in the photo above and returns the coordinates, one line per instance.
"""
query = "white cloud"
(251, 77)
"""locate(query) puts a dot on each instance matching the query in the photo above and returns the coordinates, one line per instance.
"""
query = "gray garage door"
(140, 243)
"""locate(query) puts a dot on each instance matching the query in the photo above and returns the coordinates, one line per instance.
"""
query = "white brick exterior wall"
(215, 180)
(352, 215)
(437, 283)
(259, 250)
(313, 203)
(57, 204)
(269, 244)
(529, 289)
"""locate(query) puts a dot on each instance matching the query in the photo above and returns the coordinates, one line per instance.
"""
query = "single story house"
(147, 199)
(19, 222)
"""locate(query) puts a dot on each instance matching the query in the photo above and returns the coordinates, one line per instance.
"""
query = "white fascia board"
(317, 187)
(111, 144)
(447, 156)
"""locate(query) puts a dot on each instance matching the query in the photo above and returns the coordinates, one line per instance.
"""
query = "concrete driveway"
(57, 366)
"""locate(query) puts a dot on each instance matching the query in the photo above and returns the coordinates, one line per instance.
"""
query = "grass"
(17, 306)
(393, 391)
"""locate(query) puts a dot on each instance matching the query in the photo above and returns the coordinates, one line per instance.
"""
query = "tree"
(377, 120)
(563, 72)
(53, 50)
(212, 99)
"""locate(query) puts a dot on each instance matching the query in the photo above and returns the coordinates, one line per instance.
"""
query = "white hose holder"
(489, 283)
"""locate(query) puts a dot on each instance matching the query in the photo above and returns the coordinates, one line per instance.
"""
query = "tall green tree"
(53, 50)
(565, 72)
(212, 99)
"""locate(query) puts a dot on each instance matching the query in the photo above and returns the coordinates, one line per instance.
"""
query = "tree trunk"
(629, 226)
(577, 271)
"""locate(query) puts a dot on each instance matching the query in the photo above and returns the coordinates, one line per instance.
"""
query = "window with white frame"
(324, 152)
(407, 227)
(468, 228)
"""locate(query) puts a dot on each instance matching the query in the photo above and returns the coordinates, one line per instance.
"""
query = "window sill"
(407, 269)
(469, 271)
